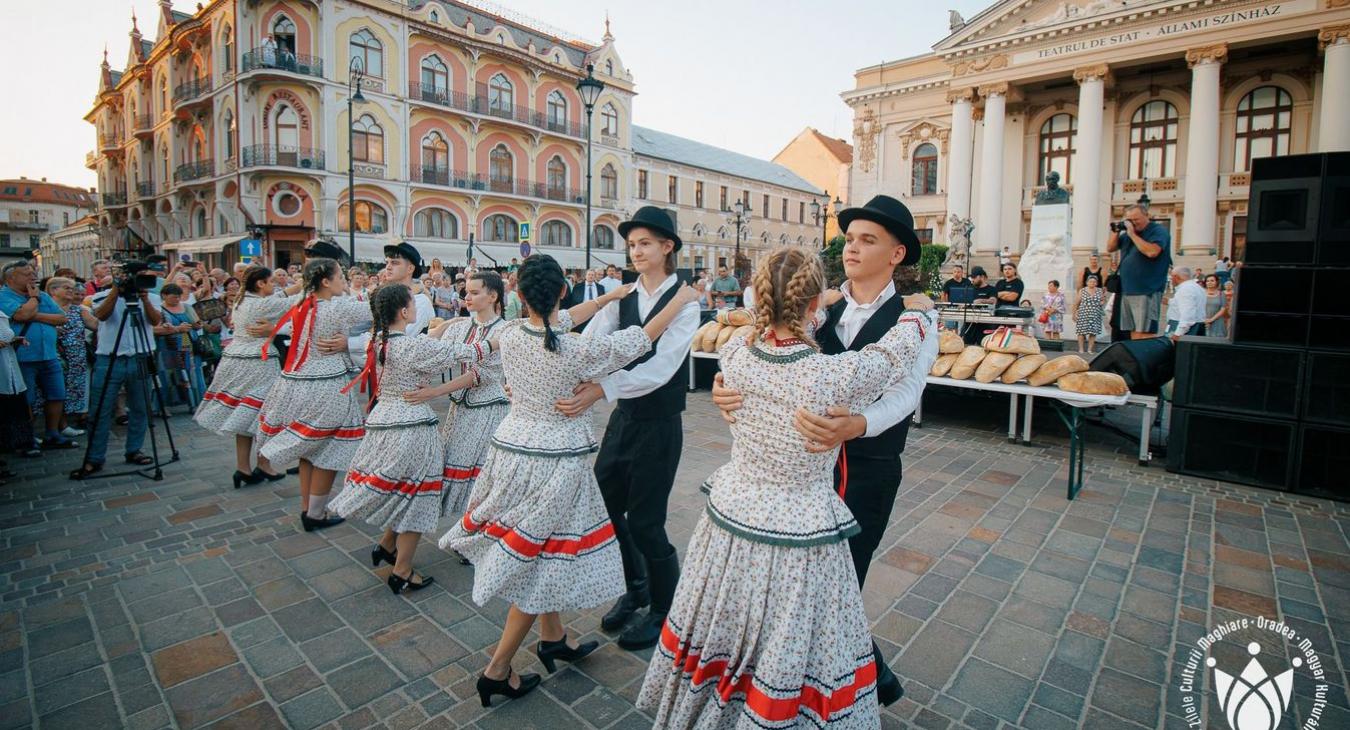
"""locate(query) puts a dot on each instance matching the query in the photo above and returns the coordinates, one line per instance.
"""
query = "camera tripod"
(146, 372)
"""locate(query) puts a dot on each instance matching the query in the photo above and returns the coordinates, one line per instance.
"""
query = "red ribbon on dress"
(301, 316)
(843, 470)
(369, 377)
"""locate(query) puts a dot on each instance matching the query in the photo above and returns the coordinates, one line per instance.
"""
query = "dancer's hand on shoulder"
(829, 297)
(728, 401)
(583, 397)
(826, 432)
(685, 295)
(331, 345)
(919, 302)
(615, 294)
(261, 328)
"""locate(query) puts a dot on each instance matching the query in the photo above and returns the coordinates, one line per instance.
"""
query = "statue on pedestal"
(1053, 194)
(958, 241)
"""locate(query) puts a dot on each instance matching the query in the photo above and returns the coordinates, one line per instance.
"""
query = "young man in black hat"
(402, 265)
(879, 237)
(641, 448)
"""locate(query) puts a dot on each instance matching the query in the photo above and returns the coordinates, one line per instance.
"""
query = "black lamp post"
(589, 88)
(822, 215)
(354, 76)
(741, 217)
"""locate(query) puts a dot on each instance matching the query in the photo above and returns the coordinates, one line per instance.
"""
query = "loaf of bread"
(1009, 341)
(993, 366)
(742, 330)
(1025, 365)
(736, 317)
(710, 337)
(723, 335)
(950, 343)
(1057, 368)
(697, 344)
(1093, 383)
(966, 362)
(943, 365)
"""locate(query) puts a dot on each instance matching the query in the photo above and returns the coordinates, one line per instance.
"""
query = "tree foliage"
(926, 277)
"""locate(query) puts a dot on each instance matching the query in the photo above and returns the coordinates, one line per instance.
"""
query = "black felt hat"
(650, 216)
(407, 251)
(327, 250)
(892, 215)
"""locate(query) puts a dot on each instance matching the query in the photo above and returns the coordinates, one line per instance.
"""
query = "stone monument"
(958, 242)
(1048, 254)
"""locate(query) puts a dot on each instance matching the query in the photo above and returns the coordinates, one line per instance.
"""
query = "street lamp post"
(740, 218)
(589, 88)
(354, 76)
(822, 215)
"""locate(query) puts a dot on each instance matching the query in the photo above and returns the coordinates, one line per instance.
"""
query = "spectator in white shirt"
(612, 280)
(1186, 310)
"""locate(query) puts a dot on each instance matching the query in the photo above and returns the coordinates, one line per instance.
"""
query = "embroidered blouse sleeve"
(436, 356)
(866, 374)
(600, 356)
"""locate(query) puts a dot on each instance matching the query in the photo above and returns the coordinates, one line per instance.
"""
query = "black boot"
(665, 575)
(637, 597)
(889, 690)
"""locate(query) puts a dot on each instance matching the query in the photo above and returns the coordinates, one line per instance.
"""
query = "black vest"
(667, 400)
(888, 444)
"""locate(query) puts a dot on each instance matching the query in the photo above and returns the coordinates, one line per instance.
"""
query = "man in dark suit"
(879, 237)
(587, 290)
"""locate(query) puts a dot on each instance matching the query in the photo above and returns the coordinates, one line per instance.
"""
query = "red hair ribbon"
(369, 377)
(301, 319)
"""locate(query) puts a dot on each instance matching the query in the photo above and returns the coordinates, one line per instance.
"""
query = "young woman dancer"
(232, 403)
(395, 478)
(767, 627)
(307, 416)
(478, 401)
(535, 527)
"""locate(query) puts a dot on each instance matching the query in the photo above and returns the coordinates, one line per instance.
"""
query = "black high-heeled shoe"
(489, 687)
(260, 475)
(380, 554)
(241, 478)
(399, 585)
(550, 652)
(311, 524)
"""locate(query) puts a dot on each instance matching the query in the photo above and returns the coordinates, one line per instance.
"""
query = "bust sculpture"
(1053, 194)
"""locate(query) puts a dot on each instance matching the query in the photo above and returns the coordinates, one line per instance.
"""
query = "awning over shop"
(215, 244)
(490, 254)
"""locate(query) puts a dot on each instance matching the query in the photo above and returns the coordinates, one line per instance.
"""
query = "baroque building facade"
(234, 123)
(1158, 97)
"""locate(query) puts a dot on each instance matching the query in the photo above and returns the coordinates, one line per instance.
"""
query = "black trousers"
(636, 471)
(870, 495)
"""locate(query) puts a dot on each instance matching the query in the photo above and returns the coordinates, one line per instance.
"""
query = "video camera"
(133, 277)
(1119, 226)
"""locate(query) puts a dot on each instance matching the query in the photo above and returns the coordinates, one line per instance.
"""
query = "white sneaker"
(71, 432)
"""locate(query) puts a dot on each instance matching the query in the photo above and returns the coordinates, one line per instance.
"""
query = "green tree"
(926, 277)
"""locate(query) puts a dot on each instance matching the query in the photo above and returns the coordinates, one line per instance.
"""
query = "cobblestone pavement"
(185, 603)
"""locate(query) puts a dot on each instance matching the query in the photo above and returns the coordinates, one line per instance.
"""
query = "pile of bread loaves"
(1013, 357)
(728, 323)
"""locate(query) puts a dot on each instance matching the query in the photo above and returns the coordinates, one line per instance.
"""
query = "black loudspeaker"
(1299, 210)
(1333, 237)
(1326, 390)
(1256, 451)
(1275, 290)
(1146, 365)
(1260, 381)
(1324, 462)
(1262, 328)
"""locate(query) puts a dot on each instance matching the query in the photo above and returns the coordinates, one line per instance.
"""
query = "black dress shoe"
(260, 475)
(293, 470)
(644, 633)
(628, 604)
(311, 524)
(379, 555)
(889, 690)
(549, 652)
(399, 585)
(489, 687)
(241, 478)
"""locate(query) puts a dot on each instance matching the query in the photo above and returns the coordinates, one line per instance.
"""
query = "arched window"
(609, 120)
(227, 49)
(368, 140)
(435, 76)
(1264, 118)
(501, 169)
(435, 153)
(1153, 140)
(609, 182)
(230, 132)
(602, 237)
(500, 228)
(925, 169)
(164, 161)
(1057, 146)
(199, 221)
(369, 51)
(557, 110)
(199, 151)
(557, 179)
(163, 95)
(555, 233)
(501, 95)
(609, 67)
(283, 34)
(286, 130)
(435, 17)
(370, 218)
(435, 223)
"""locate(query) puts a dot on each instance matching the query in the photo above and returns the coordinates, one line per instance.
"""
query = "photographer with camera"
(1145, 258)
(36, 317)
(118, 368)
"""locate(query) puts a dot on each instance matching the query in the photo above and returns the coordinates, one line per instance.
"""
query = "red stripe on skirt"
(231, 401)
(310, 432)
(768, 708)
(402, 486)
(453, 473)
(554, 545)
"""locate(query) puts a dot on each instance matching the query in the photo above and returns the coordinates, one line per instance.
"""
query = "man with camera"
(118, 368)
(36, 317)
(1145, 257)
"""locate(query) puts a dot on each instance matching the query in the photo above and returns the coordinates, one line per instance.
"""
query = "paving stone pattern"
(184, 603)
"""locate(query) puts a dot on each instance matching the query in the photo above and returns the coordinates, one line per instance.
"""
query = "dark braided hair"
(493, 281)
(316, 270)
(255, 275)
(384, 306)
(540, 283)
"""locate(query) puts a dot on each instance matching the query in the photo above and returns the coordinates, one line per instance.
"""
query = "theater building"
(1172, 100)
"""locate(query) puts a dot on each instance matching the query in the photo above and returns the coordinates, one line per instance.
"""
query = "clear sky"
(747, 75)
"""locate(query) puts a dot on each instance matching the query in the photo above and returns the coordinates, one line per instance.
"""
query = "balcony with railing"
(142, 124)
(267, 58)
(194, 171)
(503, 185)
(91, 160)
(114, 199)
(481, 105)
(263, 155)
(110, 142)
(440, 96)
(193, 90)
(145, 189)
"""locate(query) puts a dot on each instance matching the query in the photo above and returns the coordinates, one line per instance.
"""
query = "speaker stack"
(1272, 408)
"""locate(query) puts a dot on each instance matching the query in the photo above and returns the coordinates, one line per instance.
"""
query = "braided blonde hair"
(785, 280)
